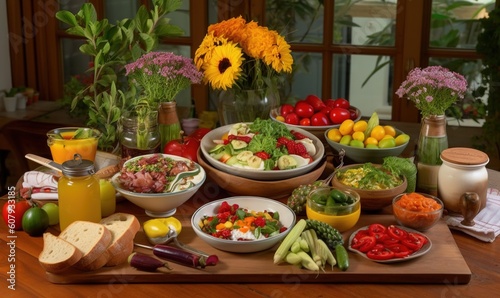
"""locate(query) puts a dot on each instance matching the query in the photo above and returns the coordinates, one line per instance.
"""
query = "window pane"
(367, 89)
(365, 22)
(180, 18)
(298, 21)
(74, 62)
(117, 10)
(307, 76)
(455, 24)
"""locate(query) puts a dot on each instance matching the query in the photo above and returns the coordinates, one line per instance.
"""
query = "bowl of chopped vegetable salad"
(262, 150)
(243, 224)
(376, 185)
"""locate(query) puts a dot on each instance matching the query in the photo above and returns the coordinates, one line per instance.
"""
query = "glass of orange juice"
(66, 141)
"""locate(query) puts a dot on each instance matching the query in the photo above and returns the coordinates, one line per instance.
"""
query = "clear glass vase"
(431, 142)
(246, 105)
(139, 135)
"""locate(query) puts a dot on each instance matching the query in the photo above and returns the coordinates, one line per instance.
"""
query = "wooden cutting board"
(443, 264)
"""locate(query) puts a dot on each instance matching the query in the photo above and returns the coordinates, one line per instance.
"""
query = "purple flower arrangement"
(433, 89)
(162, 75)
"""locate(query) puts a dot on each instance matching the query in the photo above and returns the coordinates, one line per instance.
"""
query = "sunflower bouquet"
(242, 55)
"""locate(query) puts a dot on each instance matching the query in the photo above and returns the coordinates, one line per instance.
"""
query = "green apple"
(108, 197)
(52, 210)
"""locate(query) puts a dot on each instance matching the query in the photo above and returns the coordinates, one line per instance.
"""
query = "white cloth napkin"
(487, 226)
(43, 186)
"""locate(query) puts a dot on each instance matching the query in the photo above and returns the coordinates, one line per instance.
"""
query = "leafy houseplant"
(488, 45)
(111, 47)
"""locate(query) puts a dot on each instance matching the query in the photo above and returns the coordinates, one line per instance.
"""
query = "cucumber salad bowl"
(262, 150)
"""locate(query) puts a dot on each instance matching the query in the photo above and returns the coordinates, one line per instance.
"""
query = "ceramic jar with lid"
(463, 172)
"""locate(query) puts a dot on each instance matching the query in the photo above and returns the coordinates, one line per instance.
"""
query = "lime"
(357, 143)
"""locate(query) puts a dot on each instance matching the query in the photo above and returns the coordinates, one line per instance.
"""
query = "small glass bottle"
(78, 192)
(140, 137)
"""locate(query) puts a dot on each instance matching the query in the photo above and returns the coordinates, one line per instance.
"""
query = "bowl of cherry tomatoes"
(316, 115)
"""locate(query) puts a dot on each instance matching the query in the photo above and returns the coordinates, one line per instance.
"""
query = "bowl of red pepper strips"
(243, 224)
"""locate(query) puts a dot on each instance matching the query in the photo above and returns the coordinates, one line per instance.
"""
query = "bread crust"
(50, 242)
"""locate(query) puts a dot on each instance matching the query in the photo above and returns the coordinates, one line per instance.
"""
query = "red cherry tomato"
(286, 109)
(292, 118)
(353, 114)
(12, 213)
(326, 111)
(186, 147)
(303, 109)
(342, 103)
(315, 102)
(329, 103)
(320, 119)
(305, 122)
(338, 115)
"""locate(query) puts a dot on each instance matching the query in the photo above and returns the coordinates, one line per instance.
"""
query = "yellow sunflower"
(224, 67)
(280, 57)
(231, 29)
(204, 52)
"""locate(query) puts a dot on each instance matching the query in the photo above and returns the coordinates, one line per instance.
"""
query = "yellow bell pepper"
(159, 227)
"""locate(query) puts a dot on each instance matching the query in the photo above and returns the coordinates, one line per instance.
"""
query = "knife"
(44, 162)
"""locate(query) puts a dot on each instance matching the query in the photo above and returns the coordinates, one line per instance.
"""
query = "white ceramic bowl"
(216, 134)
(161, 204)
(287, 218)
(318, 131)
(363, 155)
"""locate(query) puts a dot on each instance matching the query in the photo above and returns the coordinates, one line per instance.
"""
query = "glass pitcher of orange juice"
(65, 142)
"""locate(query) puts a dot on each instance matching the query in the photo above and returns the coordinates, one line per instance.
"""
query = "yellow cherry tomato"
(378, 132)
(334, 135)
(225, 136)
(345, 140)
(389, 130)
(402, 139)
(346, 127)
(159, 227)
(280, 118)
(358, 135)
(387, 137)
(360, 126)
(371, 141)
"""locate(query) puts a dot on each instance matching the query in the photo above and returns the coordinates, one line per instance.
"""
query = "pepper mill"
(470, 203)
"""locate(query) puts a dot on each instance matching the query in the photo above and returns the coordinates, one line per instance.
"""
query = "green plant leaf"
(77, 30)
(88, 49)
(147, 41)
(89, 13)
(66, 17)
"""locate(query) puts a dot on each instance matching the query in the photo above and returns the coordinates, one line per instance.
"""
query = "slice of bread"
(123, 228)
(57, 254)
(91, 239)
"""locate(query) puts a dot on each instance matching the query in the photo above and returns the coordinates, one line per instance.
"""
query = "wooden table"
(30, 280)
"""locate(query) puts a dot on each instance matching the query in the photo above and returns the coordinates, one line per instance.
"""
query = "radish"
(146, 263)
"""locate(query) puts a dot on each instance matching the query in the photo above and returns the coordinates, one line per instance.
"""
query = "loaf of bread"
(58, 254)
(123, 228)
(92, 239)
(89, 246)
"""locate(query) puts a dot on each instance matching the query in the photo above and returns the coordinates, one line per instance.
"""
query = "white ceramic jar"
(463, 170)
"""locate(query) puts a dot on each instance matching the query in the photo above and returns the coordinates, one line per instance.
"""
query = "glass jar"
(139, 136)
(78, 192)
(170, 126)
(463, 170)
(432, 141)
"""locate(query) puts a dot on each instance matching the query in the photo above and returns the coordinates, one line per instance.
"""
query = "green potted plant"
(111, 47)
(488, 45)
